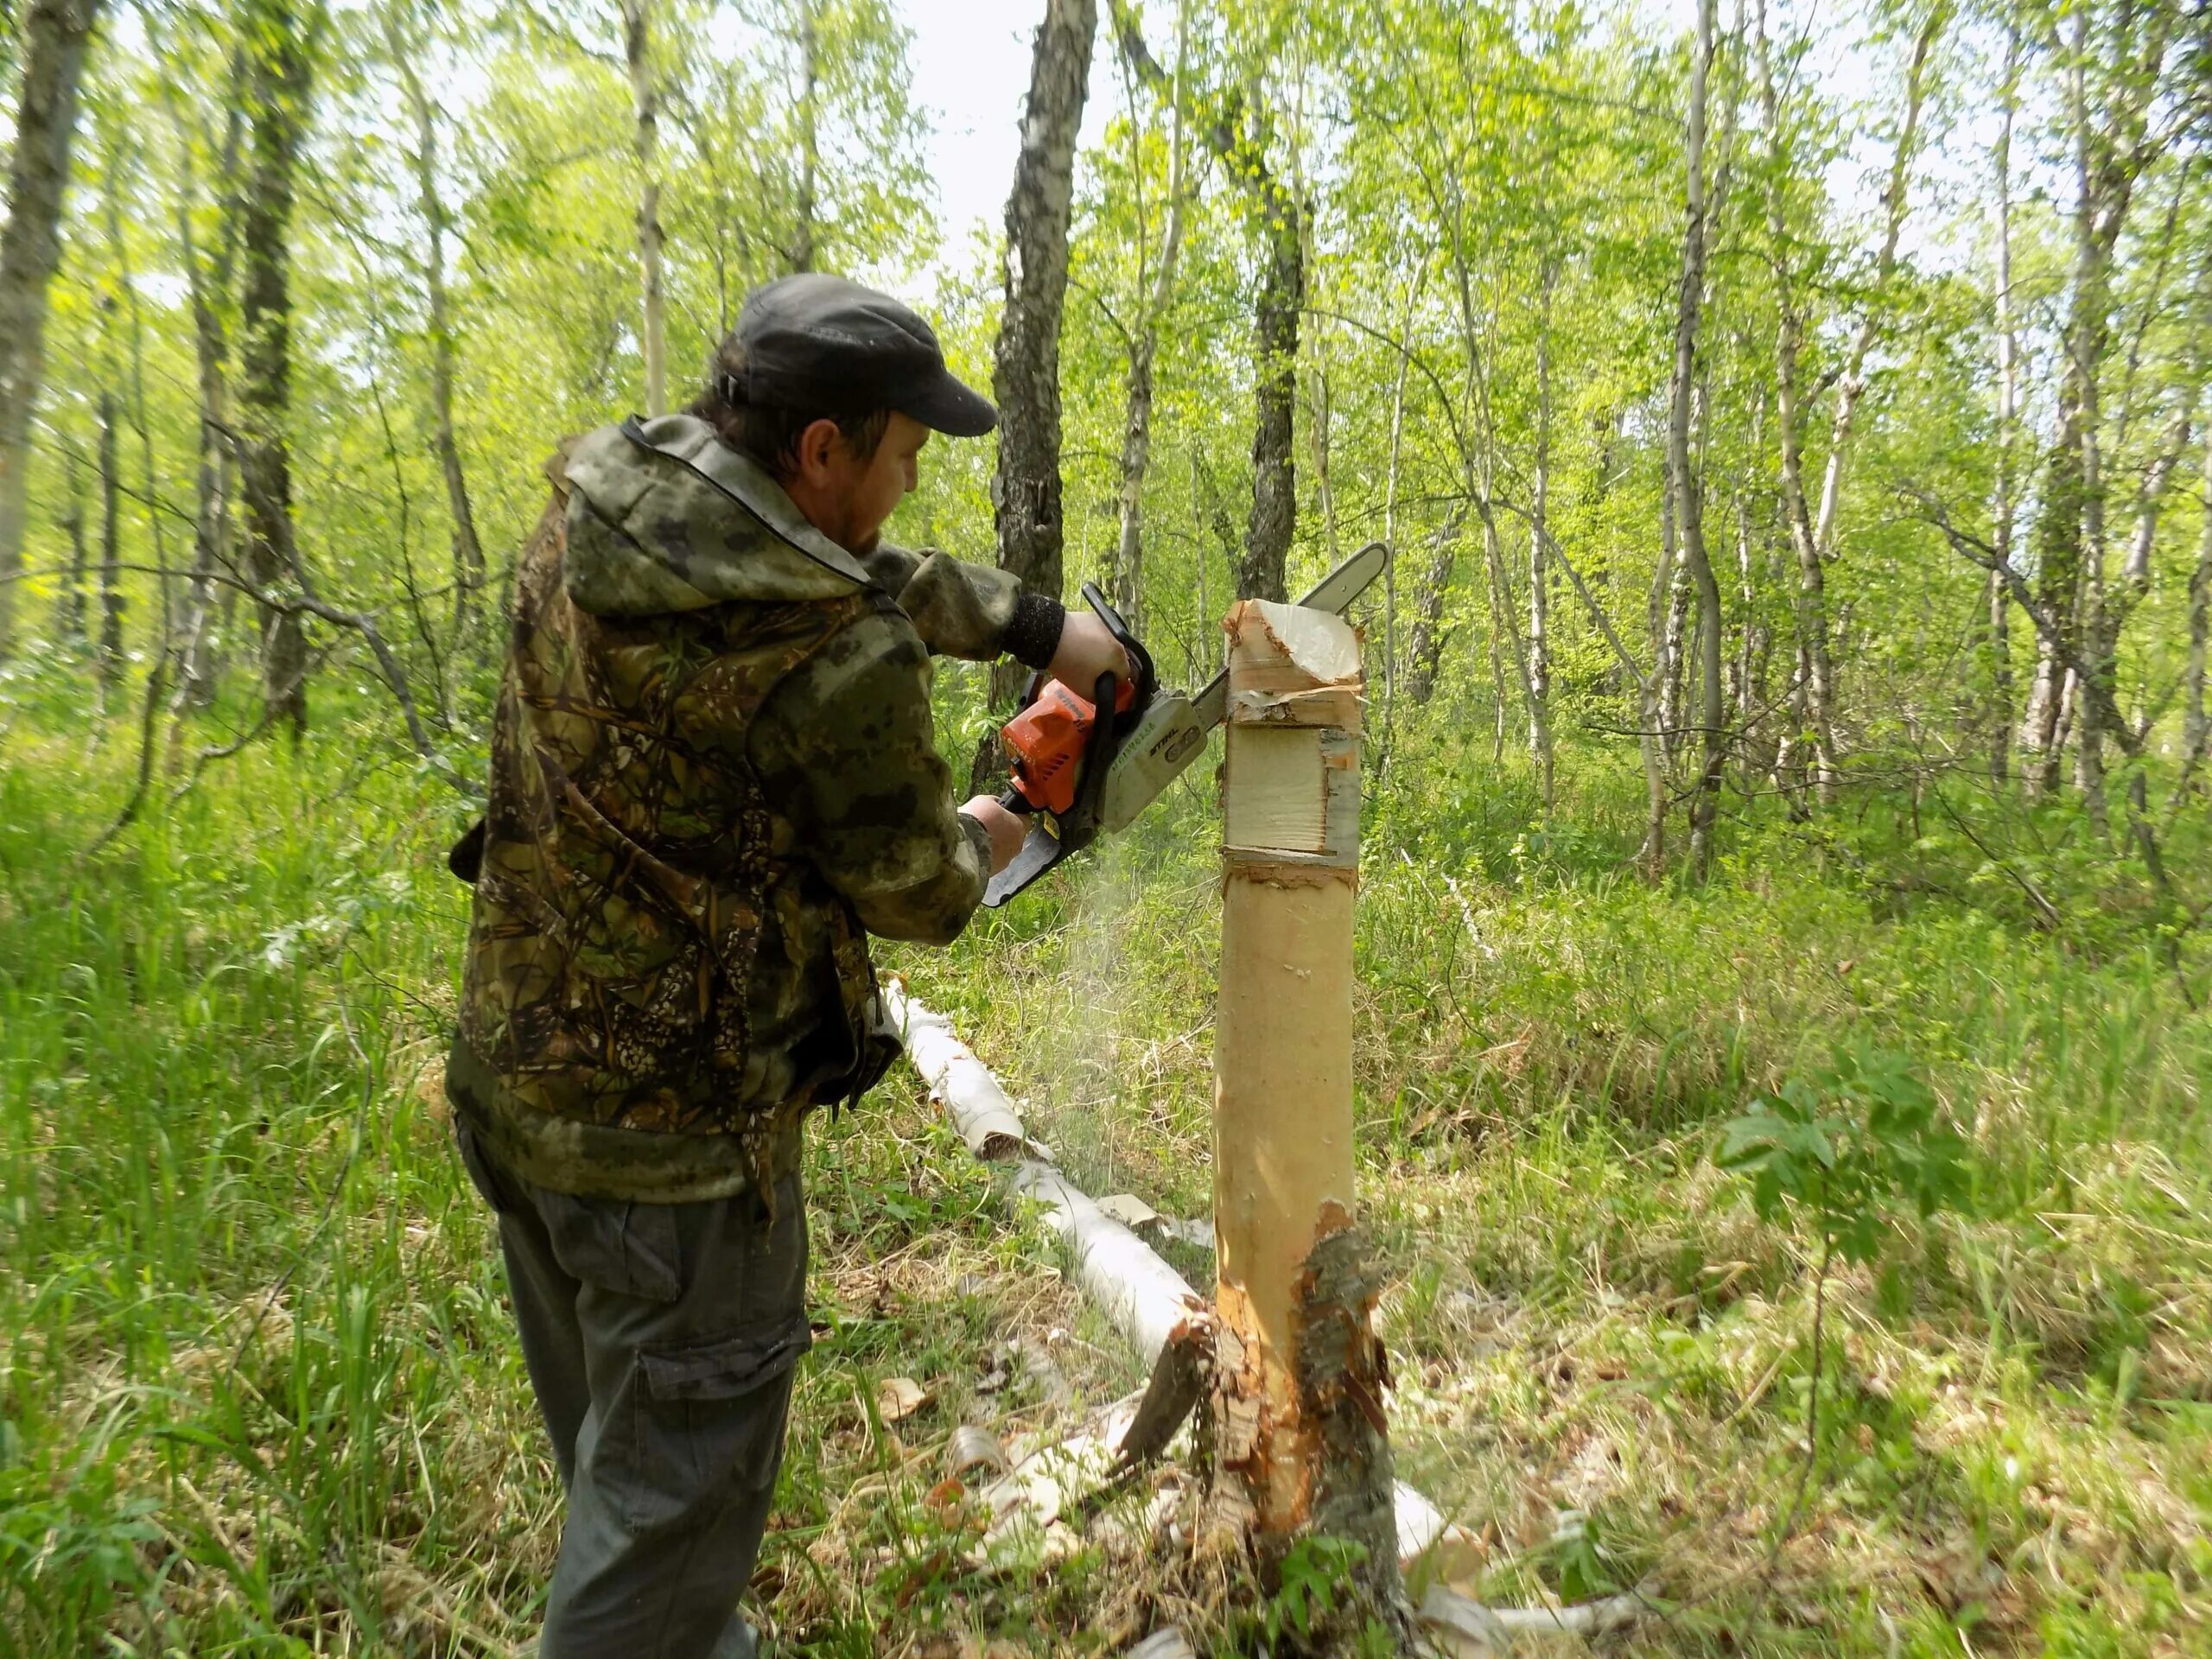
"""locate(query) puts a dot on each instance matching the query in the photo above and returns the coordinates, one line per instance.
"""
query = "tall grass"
(258, 1392)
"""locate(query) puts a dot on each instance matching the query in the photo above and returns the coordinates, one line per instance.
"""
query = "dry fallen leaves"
(897, 1398)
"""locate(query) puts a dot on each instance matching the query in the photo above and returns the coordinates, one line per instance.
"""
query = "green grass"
(259, 1395)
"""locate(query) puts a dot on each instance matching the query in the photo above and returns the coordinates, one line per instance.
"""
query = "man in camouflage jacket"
(713, 774)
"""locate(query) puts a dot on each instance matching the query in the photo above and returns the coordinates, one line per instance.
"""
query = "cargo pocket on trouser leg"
(708, 1424)
(632, 1249)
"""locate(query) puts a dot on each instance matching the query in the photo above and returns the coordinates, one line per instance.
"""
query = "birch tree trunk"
(467, 551)
(1854, 383)
(1540, 576)
(1688, 488)
(2195, 728)
(1237, 136)
(69, 603)
(1812, 687)
(1813, 534)
(1136, 427)
(1425, 642)
(1026, 377)
(280, 87)
(206, 284)
(1390, 517)
(109, 659)
(1275, 468)
(2112, 144)
(644, 140)
(55, 34)
(810, 136)
(1998, 601)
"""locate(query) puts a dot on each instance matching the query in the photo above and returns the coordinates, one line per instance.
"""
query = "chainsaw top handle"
(1145, 682)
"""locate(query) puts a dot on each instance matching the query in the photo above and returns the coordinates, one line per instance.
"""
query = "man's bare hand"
(1087, 649)
(1004, 828)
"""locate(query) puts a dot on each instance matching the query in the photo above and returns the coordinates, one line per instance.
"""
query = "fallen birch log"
(1148, 1301)
(971, 1098)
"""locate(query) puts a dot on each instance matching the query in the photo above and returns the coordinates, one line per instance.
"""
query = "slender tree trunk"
(1687, 509)
(1854, 383)
(1504, 611)
(207, 283)
(1136, 427)
(1812, 685)
(1540, 575)
(1275, 469)
(644, 140)
(280, 88)
(110, 660)
(2195, 729)
(54, 33)
(809, 137)
(1997, 599)
(122, 160)
(69, 603)
(1025, 375)
(1240, 143)
(1681, 479)
(1675, 654)
(2112, 144)
(1390, 528)
(2058, 585)
(467, 551)
(2092, 302)
(1425, 643)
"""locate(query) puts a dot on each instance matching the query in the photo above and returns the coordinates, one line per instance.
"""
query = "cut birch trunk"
(1298, 1373)
(1145, 1297)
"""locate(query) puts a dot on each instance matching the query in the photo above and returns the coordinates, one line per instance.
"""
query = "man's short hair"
(767, 433)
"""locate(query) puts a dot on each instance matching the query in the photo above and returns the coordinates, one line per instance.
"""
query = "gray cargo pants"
(660, 1340)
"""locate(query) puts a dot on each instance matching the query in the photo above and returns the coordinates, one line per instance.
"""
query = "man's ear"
(816, 445)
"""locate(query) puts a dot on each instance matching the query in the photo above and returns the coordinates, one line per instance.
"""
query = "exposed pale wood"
(1282, 1090)
(1299, 1374)
(1282, 797)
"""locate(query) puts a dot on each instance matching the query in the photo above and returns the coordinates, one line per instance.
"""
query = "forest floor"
(259, 1394)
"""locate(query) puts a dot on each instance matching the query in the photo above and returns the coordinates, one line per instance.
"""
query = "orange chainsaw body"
(1047, 741)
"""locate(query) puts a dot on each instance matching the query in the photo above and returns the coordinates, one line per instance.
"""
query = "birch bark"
(56, 35)
(644, 142)
(467, 551)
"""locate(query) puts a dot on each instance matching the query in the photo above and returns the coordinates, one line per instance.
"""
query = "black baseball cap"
(820, 344)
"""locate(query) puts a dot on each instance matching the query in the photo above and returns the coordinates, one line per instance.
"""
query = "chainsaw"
(1084, 766)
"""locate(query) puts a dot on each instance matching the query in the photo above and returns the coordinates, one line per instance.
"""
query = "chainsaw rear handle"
(1123, 699)
(1117, 703)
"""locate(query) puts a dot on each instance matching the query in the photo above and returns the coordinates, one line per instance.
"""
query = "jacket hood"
(664, 516)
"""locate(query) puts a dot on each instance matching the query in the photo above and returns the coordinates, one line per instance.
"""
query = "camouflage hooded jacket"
(713, 771)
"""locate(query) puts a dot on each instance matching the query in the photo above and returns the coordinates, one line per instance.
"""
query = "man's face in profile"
(848, 496)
